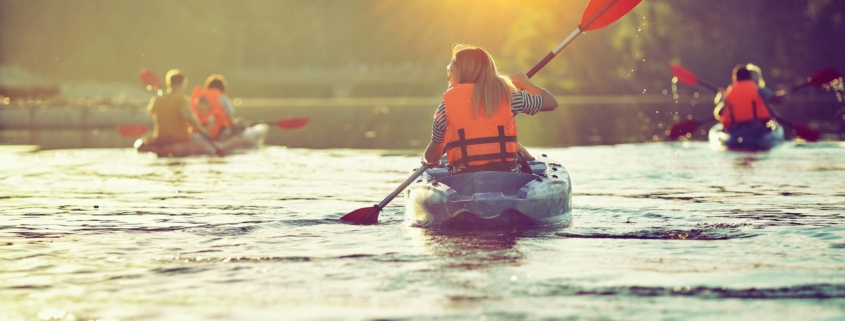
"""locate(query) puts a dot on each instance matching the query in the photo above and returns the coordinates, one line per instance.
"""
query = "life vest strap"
(754, 108)
(478, 141)
(503, 156)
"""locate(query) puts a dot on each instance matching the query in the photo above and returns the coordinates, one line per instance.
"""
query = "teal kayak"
(748, 136)
(491, 199)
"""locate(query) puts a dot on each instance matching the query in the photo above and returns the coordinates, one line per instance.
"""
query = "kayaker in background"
(474, 125)
(213, 109)
(749, 103)
(172, 118)
(770, 96)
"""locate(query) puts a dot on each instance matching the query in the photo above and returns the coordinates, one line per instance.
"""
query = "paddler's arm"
(521, 82)
(778, 97)
(151, 106)
(433, 153)
(189, 117)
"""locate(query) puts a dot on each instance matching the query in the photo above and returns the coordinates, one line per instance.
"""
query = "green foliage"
(112, 40)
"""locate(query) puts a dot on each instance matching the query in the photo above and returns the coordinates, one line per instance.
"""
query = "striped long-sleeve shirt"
(521, 103)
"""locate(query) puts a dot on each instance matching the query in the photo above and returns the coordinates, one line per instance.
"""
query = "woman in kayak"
(474, 125)
(213, 109)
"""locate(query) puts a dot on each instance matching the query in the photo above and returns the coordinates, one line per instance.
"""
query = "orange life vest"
(743, 103)
(472, 138)
(221, 119)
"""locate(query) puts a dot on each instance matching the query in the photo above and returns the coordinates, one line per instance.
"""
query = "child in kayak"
(173, 121)
(474, 125)
(212, 108)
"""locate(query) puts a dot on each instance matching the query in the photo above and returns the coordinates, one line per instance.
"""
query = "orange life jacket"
(743, 103)
(221, 119)
(472, 138)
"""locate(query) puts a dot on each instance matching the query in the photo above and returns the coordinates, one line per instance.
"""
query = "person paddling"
(747, 100)
(173, 121)
(213, 108)
(474, 125)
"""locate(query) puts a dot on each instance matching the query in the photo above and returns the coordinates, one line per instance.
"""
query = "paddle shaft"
(578, 31)
(551, 55)
(708, 86)
(211, 142)
(402, 187)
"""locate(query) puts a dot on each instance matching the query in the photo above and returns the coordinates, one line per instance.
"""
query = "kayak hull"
(752, 136)
(491, 199)
(250, 138)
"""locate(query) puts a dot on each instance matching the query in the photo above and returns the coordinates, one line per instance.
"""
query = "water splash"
(838, 87)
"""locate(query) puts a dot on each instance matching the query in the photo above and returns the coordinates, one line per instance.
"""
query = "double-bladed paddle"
(598, 14)
(687, 77)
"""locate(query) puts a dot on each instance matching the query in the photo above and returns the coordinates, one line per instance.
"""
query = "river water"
(672, 231)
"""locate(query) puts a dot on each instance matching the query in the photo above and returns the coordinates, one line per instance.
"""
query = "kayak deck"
(491, 199)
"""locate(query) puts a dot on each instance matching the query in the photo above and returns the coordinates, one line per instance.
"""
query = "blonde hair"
(755, 69)
(216, 81)
(473, 65)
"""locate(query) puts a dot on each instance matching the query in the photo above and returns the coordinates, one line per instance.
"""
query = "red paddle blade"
(682, 129)
(685, 76)
(292, 123)
(367, 215)
(132, 131)
(600, 13)
(806, 133)
(150, 79)
(824, 77)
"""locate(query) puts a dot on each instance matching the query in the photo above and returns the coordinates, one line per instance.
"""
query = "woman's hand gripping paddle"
(687, 77)
(599, 13)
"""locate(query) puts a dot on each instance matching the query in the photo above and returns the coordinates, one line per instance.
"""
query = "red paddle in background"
(599, 13)
(687, 77)
(150, 79)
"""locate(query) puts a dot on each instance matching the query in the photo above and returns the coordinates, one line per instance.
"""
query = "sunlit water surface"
(661, 231)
